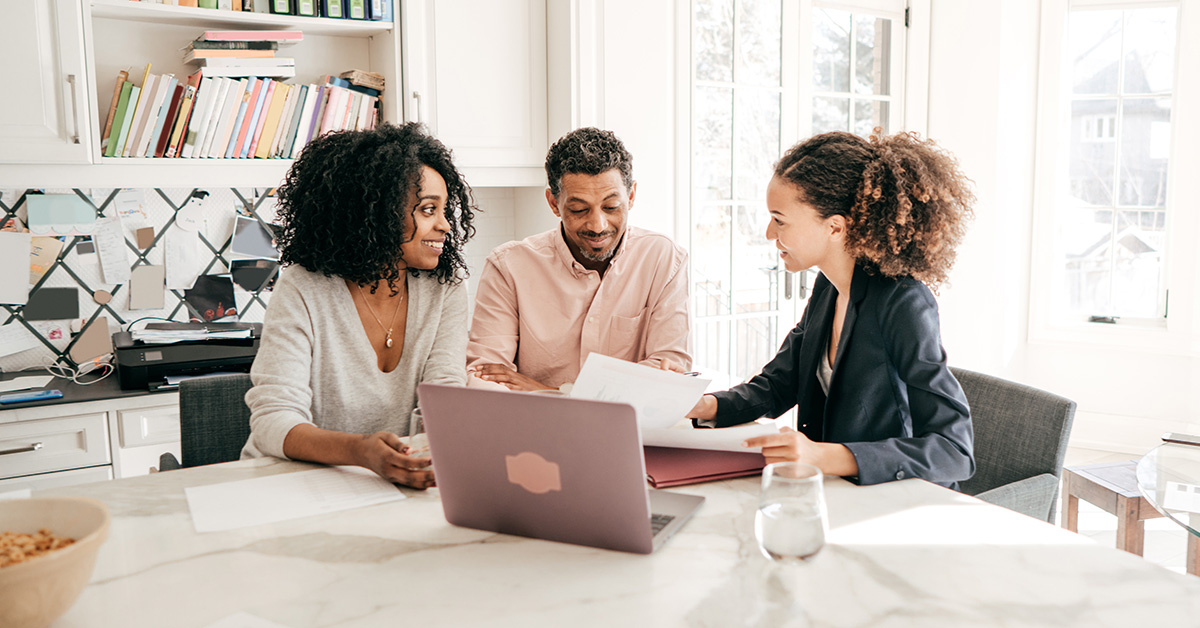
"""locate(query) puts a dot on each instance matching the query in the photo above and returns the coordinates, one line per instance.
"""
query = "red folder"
(672, 466)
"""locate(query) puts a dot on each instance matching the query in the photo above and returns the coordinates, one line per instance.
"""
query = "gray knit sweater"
(315, 364)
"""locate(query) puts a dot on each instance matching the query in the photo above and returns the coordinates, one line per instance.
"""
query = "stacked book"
(243, 53)
(208, 116)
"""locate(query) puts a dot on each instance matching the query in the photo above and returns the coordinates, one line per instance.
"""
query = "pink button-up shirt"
(540, 312)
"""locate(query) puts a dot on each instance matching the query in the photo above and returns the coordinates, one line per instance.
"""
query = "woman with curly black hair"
(371, 301)
(865, 367)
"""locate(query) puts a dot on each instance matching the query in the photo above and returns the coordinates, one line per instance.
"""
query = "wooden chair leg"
(1130, 529)
(1193, 555)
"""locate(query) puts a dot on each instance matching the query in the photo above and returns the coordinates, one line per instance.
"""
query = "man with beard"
(593, 284)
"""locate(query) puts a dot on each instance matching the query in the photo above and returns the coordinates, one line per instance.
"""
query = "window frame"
(1175, 332)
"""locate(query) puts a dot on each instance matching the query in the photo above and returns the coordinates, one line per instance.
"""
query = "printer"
(147, 357)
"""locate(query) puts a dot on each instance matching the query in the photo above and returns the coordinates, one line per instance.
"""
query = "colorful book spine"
(289, 104)
(200, 110)
(285, 144)
(120, 119)
(179, 133)
(273, 104)
(154, 126)
(171, 111)
(254, 124)
(240, 118)
(112, 109)
(234, 100)
(139, 114)
(304, 131)
(212, 111)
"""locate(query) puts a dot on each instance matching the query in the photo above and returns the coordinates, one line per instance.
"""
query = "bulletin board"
(169, 213)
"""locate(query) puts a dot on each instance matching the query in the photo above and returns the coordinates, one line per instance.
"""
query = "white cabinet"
(54, 444)
(45, 107)
(476, 76)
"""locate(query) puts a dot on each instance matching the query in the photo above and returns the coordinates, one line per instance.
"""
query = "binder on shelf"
(282, 7)
(120, 119)
(307, 8)
(207, 4)
(112, 108)
(375, 10)
(356, 9)
(333, 8)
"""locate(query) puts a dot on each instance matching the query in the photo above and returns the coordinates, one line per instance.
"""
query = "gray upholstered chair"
(214, 421)
(1020, 440)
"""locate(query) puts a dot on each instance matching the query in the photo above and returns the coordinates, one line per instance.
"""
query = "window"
(852, 71)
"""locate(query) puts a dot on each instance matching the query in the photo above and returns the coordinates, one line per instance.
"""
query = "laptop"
(547, 467)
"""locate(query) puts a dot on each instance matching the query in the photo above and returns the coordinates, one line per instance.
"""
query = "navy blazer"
(892, 400)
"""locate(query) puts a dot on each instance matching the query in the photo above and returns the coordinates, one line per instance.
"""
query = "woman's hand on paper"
(503, 375)
(705, 409)
(792, 446)
(388, 456)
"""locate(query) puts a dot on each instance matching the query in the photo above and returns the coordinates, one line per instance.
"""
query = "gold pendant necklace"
(388, 340)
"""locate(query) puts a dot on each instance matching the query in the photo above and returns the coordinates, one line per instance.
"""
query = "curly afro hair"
(905, 200)
(590, 151)
(342, 205)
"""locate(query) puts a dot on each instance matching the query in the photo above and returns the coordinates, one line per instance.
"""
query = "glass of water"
(791, 521)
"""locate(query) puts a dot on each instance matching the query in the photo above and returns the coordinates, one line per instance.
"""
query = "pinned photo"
(211, 300)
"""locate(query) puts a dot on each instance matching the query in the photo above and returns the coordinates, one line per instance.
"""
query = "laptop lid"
(541, 466)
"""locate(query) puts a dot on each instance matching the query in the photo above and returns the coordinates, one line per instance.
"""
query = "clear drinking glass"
(791, 521)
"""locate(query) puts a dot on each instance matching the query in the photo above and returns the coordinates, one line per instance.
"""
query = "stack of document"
(171, 336)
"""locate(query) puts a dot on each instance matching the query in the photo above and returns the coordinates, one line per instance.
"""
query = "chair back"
(1020, 432)
(214, 421)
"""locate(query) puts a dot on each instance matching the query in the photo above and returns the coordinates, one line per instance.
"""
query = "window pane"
(830, 114)
(831, 50)
(1087, 236)
(712, 345)
(1149, 50)
(712, 143)
(869, 114)
(711, 285)
(872, 49)
(755, 260)
(712, 39)
(759, 36)
(1093, 150)
(1094, 45)
(1137, 266)
(1145, 144)
(756, 345)
(756, 140)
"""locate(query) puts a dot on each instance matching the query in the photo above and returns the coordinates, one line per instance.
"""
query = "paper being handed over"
(661, 398)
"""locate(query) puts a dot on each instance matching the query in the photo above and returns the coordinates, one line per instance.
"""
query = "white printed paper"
(661, 398)
(183, 258)
(110, 246)
(29, 382)
(1180, 496)
(718, 439)
(131, 205)
(14, 338)
(284, 497)
(15, 249)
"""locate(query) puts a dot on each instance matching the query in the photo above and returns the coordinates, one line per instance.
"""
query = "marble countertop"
(900, 554)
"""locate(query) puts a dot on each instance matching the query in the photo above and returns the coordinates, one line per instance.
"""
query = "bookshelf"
(126, 35)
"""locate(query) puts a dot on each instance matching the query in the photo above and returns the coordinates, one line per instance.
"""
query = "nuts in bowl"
(47, 551)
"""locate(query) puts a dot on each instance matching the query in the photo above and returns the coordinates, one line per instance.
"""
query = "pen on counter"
(692, 373)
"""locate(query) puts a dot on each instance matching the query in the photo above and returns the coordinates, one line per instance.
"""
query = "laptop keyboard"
(658, 522)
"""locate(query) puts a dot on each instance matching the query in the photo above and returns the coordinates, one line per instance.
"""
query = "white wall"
(983, 77)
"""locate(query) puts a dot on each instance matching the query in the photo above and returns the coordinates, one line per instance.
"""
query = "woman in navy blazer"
(865, 366)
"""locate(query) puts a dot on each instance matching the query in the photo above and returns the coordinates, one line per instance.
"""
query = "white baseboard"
(1134, 435)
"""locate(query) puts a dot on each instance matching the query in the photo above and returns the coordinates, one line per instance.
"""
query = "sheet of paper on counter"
(276, 498)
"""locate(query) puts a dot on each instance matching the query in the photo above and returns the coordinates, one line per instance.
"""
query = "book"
(200, 108)
(189, 3)
(299, 120)
(120, 120)
(671, 466)
(282, 7)
(168, 124)
(337, 96)
(112, 108)
(306, 7)
(123, 138)
(201, 44)
(234, 118)
(257, 117)
(190, 56)
(312, 109)
(217, 118)
(242, 62)
(275, 93)
(364, 79)
(356, 9)
(240, 124)
(350, 112)
(279, 36)
(158, 113)
(149, 89)
(285, 119)
(212, 96)
(261, 148)
(277, 72)
(179, 133)
(207, 4)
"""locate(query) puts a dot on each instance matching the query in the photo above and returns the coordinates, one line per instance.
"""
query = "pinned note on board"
(59, 215)
(15, 250)
(146, 288)
(43, 254)
(52, 304)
